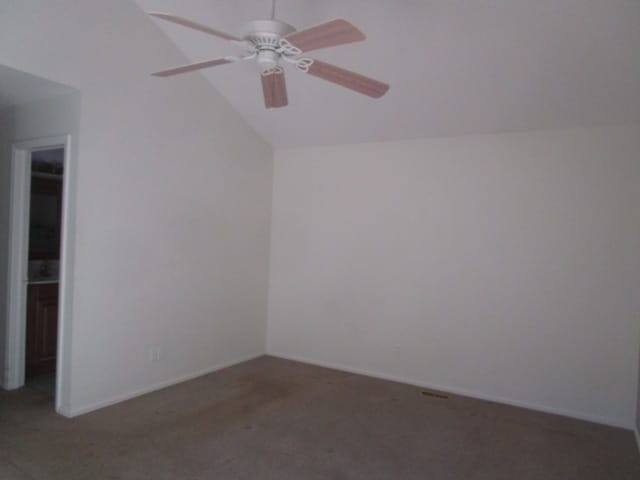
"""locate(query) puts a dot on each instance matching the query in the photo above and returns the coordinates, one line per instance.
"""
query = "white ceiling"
(455, 67)
(18, 87)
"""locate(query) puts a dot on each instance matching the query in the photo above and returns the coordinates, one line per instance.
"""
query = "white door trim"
(17, 266)
(15, 347)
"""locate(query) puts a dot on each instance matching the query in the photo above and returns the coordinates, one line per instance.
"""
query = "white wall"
(6, 131)
(173, 202)
(503, 266)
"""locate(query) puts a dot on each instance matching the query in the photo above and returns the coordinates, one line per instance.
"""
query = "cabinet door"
(42, 328)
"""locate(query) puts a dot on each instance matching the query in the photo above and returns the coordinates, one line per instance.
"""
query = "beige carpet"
(275, 419)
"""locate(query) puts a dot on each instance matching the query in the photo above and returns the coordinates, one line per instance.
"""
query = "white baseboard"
(456, 391)
(74, 411)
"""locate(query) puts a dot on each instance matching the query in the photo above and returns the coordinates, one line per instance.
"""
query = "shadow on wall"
(638, 406)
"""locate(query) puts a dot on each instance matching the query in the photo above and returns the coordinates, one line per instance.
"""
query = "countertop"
(42, 281)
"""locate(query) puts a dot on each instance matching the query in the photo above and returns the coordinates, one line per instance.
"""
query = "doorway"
(45, 225)
(35, 345)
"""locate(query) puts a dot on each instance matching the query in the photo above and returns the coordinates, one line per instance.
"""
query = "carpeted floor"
(45, 384)
(276, 419)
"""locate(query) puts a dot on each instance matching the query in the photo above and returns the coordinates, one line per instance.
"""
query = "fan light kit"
(270, 41)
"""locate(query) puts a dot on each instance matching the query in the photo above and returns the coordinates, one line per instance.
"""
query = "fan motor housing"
(268, 60)
(266, 34)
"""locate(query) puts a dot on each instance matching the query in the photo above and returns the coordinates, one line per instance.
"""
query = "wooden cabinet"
(42, 328)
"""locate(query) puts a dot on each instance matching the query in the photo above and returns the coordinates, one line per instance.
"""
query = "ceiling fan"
(270, 41)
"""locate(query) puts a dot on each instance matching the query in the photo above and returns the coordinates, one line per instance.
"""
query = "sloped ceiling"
(455, 67)
(18, 87)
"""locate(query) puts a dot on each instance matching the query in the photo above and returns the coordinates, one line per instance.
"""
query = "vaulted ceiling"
(18, 87)
(455, 67)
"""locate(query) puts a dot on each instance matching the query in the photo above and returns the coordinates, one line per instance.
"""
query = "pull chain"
(273, 9)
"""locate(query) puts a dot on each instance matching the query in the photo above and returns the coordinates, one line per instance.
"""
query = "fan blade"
(196, 26)
(348, 79)
(330, 34)
(274, 89)
(191, 67)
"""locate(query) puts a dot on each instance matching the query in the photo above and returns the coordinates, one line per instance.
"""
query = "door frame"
(15, 345)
